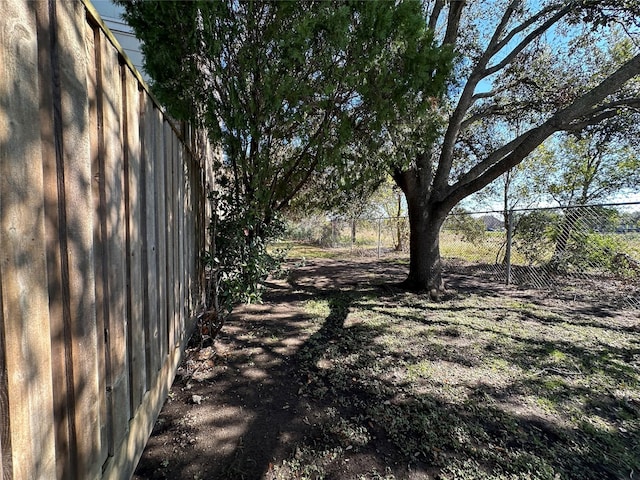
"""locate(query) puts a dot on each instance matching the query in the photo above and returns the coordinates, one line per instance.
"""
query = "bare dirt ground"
(249, 413)
(260, 403)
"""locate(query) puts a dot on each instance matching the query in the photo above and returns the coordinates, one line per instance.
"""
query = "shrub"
(534, 235)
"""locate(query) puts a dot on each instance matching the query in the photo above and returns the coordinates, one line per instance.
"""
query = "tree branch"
(603, 112)
(287, 177)
(453, 21)
(294, 191)
(466, 100)
(515, 151)
(478, 96)
(526, 41)
(523, 26)
(491, 110)
(435, 14)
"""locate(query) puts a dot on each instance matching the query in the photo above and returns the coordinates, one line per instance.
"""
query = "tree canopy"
(295, 93)
(331, 91)
(291, 90)
(518, 62)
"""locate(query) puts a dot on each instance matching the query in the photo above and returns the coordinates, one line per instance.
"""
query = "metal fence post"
(509, 240)
(379, 233)
(333, 233)
(353, 233)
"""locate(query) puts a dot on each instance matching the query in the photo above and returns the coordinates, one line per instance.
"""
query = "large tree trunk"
(425, 265)
(426, 216)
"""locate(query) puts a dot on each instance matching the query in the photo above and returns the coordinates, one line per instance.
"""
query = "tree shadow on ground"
(323, 396)
(252, 401)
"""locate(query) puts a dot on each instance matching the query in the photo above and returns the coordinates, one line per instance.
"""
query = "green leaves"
(286, 87)
(239, 259)
(293, 92)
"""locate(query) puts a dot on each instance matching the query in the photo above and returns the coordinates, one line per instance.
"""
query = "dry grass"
(482, 386)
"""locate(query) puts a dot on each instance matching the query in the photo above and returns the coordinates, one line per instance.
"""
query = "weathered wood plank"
(5, 421)
(117, 360)
(55, 228)
(126, 457)
(194, 221)
(186, 236)
(176, 241)
(148, 232)
(82, 352)
(203, 207)
(133, 200)
(178, 168)
(100, 255)
(197, 232)
(161, 234)
(23, 266)
(169, 200)
(153, 241)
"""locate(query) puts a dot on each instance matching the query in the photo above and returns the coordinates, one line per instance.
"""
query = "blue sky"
(112, 16)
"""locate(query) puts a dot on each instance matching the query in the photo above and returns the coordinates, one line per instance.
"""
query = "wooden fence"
(101, 225)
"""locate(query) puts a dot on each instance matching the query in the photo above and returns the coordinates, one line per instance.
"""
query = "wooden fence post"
(134, 221)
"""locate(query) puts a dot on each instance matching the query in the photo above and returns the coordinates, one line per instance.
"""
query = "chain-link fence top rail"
(592, 249)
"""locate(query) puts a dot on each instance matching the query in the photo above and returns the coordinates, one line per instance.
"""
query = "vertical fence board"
(169, 200)
(162, 226)
(117, 368)
(177, 169)
(100, 258)
(135, 344)
(178, 175)
(64, 126)
(55, 228)
(203, 212)
(193, 223)
(153, 218)
(197, 232)
(148, 214)
(185, 259)
(79, 229)
(5, 421)
(22, 261)
(188, 252)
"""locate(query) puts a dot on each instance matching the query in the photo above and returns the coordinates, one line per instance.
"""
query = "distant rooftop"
(112, 16)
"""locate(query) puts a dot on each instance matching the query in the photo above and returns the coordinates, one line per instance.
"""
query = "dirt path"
(235, 407)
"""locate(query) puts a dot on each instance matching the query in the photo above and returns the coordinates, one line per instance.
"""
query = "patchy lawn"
(339, 375)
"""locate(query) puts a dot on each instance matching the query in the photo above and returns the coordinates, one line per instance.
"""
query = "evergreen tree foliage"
(293, 92)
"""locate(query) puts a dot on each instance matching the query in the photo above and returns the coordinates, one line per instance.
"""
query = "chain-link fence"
(592, 248)
(361, 237)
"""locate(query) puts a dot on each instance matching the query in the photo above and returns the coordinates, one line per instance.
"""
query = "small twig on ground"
(558, 371)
